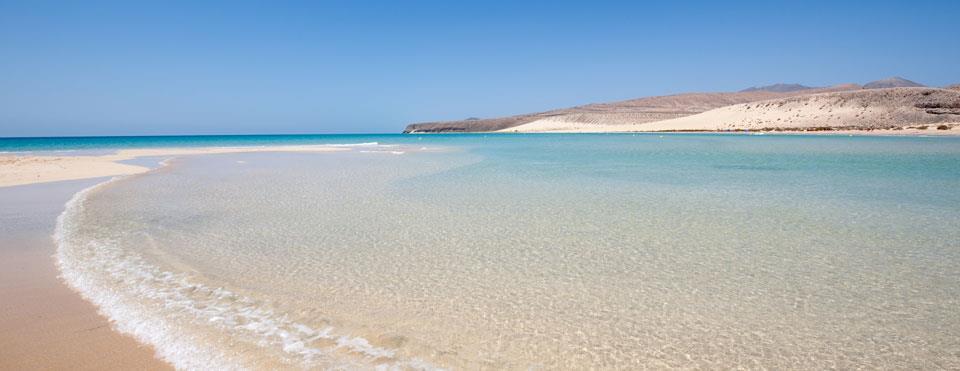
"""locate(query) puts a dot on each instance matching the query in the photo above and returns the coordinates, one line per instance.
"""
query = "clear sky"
(232, 67)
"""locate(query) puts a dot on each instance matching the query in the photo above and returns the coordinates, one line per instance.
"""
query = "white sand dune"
(904, 110)
(648, 109)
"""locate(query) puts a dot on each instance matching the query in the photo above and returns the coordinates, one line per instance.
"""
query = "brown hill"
(892, 82)
(778, 88)
(632, 111)
(867, 109)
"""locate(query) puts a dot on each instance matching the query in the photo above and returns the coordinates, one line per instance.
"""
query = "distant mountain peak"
(892, 82)
(777, 88)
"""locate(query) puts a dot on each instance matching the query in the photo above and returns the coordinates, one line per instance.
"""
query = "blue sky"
(198, 67)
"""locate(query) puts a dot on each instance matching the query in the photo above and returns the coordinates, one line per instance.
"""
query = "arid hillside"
(891, 104)
(892, 82)
(866, 109)
(632, 111)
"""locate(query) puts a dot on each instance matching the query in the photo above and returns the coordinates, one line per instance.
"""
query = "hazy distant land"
(894, 105)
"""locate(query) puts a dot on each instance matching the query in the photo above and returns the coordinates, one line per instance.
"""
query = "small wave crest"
(367, 144)
(387, 152)
(182, 318)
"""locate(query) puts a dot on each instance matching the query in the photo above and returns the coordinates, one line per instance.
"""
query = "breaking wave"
(187, 322)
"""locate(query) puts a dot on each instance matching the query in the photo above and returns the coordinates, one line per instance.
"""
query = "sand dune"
(632, 111)
(874, 109)
(894, 104)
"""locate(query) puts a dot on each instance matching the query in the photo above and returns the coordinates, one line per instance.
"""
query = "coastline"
(905, 133)
(29, 219)
(33, 169)
(43, 323)
(28, 168)
(572, 127)
(840, 108)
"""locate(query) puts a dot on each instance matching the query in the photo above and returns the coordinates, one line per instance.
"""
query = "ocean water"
(100, 144)
(534, 252)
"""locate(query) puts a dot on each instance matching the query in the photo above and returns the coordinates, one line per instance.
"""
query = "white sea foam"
(126, 289)
(367, 144)
(389, 152)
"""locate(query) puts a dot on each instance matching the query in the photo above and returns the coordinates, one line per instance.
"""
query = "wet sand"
(43, 323)
(30, 169)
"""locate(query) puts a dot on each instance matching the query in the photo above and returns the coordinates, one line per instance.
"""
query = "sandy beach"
(479, 186)
(43, 323)
(872, 112)
(907, 110)
(289, 259)
(712, 125)
(31, 169)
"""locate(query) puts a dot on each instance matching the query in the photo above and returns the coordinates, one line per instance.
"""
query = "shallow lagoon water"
(537, 251)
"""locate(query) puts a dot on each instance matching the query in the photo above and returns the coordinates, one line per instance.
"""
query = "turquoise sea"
(527, 251)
